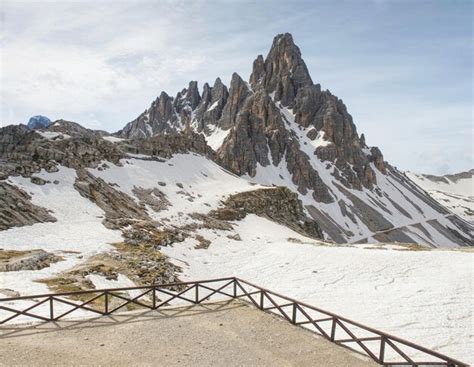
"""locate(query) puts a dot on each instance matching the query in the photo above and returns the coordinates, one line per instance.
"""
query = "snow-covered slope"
(77, 234)
(455, 192)
(423, 296)
(191, 183)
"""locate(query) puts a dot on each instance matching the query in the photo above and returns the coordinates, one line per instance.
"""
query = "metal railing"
(383, 348)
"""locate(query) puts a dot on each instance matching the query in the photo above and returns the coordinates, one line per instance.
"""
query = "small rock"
(37, 180)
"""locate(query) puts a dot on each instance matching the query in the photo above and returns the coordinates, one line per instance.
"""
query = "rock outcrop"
(279, 204)
(26, 260)
(16, 208)
(24, 152)
(120, 209)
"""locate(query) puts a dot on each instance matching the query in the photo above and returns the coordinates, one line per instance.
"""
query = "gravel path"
(230, 334)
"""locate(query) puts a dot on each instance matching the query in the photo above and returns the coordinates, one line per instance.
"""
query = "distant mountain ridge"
(38, 122)
(454, 191)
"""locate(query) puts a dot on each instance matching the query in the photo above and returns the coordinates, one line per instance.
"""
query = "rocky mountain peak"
(258, 72)
(209, 110)
(238, 93)
(192, 94)
(270, 116)
(38, 122)
(219, 92)
(284, 71)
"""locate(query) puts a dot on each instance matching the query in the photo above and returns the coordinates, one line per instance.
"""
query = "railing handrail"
(336, 319)
(138, 287)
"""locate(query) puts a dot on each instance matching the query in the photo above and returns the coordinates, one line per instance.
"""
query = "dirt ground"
(219, 334)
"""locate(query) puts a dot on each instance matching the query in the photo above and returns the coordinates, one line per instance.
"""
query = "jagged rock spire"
(238, 93)
(258, 72)
(192, 94)
(219, 92)
(284, 72)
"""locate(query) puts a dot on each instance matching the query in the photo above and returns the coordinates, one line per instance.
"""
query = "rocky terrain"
(17, 209)
(26, 260)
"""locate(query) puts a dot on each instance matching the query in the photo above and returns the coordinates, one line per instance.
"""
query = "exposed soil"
(225, 334)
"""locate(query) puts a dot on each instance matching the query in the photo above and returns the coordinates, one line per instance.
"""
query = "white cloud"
(75, 60)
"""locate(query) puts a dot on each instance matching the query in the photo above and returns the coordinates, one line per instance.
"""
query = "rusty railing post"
(51, 308)
(197, 293)
(382, 350)
(333, 329)
(153, 297)
(293, 319)
(106, 306)
(235, 287)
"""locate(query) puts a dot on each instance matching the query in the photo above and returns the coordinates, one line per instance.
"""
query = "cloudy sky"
(403, 68)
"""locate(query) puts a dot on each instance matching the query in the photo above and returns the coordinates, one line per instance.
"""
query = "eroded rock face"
(210, 109)
(238, 93)
(246, 144)
(120, 209)
(16, 208)
(26, 260)
(278, 204)
(24, 152)
(166, 145)
(260, 137)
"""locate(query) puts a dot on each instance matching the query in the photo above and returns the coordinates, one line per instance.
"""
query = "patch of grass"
(6, 255)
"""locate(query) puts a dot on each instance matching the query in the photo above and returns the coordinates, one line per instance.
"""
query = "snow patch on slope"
(204, 183)
(50, 135)
(456, 195)
(113, 139)
(78, 229)
(216, 138)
